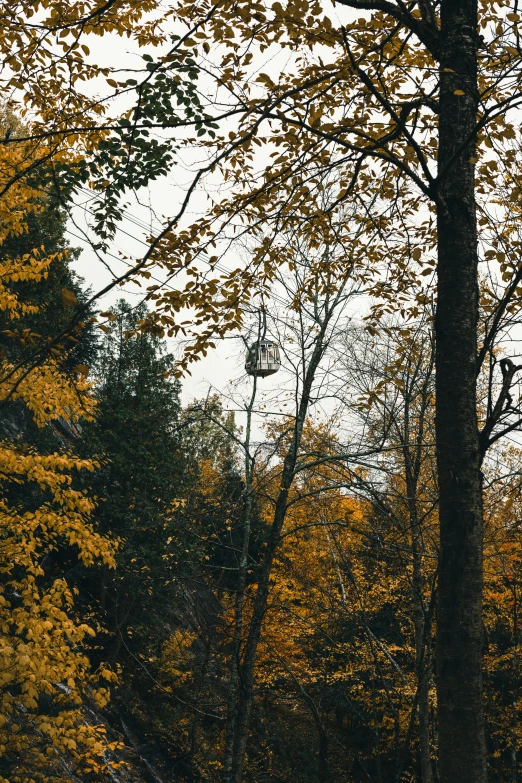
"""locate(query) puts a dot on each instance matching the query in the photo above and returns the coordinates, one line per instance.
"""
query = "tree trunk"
(462, 749)
(412, 456)
(422, 663)
(243, 705)
(324, 770)
(247, 668)
(234, 681)
(424, 728)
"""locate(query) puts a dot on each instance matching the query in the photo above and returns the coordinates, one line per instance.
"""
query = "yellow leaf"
(68, 298)
(511, 499)
(82, 369)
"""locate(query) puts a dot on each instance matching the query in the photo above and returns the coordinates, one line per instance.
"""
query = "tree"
(174, 658)
(363, 113)
(54, 296)
(394, 384)
(71, 139)
(45, 672)
(136, 437)
(350, 102)
(317, 303)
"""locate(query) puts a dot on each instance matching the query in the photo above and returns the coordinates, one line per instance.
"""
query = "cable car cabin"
(263, 359)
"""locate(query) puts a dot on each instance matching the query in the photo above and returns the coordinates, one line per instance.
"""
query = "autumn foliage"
(317, 580)
(44, 672)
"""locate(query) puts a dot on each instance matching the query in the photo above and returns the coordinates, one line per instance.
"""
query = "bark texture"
(462, 748)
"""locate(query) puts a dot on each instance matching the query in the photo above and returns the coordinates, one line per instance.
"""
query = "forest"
(308, 567)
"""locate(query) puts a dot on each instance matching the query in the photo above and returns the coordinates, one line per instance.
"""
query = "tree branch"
(425, 28)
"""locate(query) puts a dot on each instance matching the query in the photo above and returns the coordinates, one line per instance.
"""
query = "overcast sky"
(223, 367)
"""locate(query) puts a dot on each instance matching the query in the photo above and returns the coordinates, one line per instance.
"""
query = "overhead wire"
(141, 224)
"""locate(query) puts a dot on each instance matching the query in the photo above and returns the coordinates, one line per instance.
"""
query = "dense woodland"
(309, 577)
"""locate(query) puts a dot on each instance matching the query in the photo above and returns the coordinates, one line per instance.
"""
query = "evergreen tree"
(47, 301)
(136, 436)
(54, 296)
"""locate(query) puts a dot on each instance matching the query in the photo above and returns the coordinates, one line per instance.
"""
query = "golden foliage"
(43, 671)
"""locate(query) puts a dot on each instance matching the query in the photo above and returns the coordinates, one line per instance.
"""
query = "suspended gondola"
(263, 358)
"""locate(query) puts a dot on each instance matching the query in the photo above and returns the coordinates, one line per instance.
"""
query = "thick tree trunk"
(462, 750)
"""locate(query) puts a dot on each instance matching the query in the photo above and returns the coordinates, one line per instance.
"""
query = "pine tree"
(136, 437)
